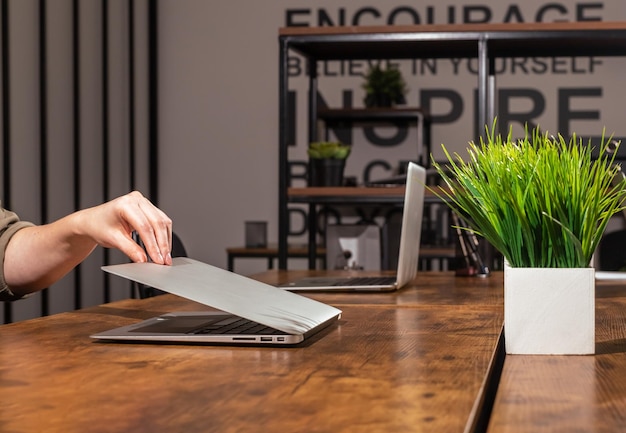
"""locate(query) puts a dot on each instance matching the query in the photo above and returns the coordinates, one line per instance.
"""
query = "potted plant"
(544, 203)
(327, 160)
(384, 87)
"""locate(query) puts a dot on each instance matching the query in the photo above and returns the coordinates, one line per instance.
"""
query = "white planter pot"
(549, 311)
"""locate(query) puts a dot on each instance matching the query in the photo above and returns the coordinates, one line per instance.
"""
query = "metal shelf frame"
(485, 42)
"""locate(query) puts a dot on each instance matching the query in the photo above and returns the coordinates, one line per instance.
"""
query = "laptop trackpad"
(184, 324)
(318, 282)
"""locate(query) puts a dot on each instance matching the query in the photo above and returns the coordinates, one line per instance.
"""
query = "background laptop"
(251, 312)
(610, 275)
(408, 254)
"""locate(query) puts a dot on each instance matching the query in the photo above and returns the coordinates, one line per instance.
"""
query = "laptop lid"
(408, 253)
(411, 232)
(243, 297)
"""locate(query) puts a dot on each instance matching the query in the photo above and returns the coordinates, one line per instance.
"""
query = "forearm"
(38, 256)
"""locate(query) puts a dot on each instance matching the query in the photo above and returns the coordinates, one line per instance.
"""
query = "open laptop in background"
(410, 235)
(610, 275)
(251, 312)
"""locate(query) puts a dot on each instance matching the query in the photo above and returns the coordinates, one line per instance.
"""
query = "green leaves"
(384, 87)
(542, 201)
(328, 150)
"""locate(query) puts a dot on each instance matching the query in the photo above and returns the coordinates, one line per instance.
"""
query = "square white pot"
(549, 311)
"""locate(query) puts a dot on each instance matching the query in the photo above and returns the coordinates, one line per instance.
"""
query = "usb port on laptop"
(266, 338)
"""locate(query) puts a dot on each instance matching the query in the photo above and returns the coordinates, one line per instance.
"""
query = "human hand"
(111, 225)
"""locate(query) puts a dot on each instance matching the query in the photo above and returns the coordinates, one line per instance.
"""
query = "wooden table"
(535, 394)
(428, 290)
(425, 358)
(570, 394)
(415, 360)
(270, 253)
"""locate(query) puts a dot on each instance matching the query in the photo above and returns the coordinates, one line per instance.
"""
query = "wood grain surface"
(570, 394)
(427, 290)
(396, 366)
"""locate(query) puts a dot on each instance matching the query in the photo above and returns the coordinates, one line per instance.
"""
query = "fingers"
(132, 249)
(154, 228)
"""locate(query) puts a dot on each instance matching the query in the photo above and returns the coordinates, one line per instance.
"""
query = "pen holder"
(256, 234)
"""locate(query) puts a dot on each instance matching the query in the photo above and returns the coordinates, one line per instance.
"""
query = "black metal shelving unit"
(333, 117)
(484, 42)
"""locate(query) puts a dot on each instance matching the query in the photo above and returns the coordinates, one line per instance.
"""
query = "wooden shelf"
(332, 115)
(352, 195)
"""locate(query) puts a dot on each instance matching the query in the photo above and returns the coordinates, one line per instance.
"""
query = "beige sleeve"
(9, 225)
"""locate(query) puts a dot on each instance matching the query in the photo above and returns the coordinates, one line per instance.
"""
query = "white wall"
(219, 103)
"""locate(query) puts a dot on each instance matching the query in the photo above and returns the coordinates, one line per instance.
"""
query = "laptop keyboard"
(367, 281)
(236, 325)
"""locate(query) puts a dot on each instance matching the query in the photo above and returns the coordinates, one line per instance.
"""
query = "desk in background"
(441, 256)
(270, 253)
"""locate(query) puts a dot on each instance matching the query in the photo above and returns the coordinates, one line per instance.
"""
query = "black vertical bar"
(105, 127)
(313, 84)
(131, 102)
(131, 91)
(6, 123)
(6, 107)
(78, 300)
(483, 87)
(283, 119)
(43, 131)
(486, 102)
(153, 115)
(492, 109)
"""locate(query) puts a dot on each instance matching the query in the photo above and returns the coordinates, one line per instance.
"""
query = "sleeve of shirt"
(9, 225)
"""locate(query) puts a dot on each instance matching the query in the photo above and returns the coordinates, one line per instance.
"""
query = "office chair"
(178, 250)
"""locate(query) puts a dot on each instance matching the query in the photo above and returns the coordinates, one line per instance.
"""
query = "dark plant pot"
(326, 172)
(378, 100)
(383, 100)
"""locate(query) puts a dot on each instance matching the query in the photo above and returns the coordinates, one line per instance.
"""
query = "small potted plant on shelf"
(384, 87)
(327, 161)
(544, 203)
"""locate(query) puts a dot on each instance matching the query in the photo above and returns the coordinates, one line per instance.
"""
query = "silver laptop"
(251, 312)
(408, 253)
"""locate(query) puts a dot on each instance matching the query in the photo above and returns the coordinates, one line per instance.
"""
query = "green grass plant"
(328, 150)
(541, 201)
